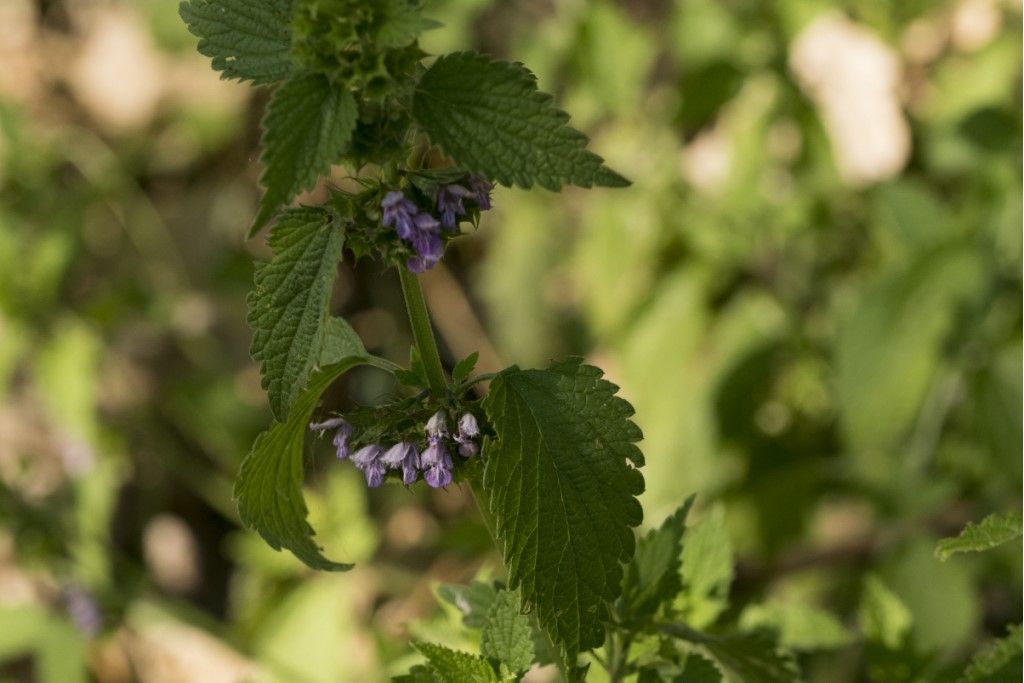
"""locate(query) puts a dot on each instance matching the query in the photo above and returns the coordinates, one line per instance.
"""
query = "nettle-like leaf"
(653, 577)
(749, 657)
(453, 666)
(561, 481)
(507, 635)
(307, 127)
(992, 531)
(707, 570)
(340, 342)
(882, 615)
(269, 484)
(401, 22)
(799, 626)
(288, 305)
(490, 117)
(694, 669)
(249, 40)
(1000, 662)
(473, 600)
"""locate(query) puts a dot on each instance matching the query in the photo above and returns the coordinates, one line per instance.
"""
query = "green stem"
(422, 334)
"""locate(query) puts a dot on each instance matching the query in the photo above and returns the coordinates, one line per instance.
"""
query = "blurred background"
(811, 294)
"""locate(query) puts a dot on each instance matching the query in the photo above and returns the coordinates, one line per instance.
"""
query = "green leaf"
(57, 648)
(507, 635)
(992, 531)
(401, 22)
(417, 674)
(288, 306)
(695, 669)
(700, 670)
(465, 367)
(1001, 662)
(751, 657)
(799, 626)
(890, 346)
(491, 118)
(308, 125)
(340, 341)
(707, 569)
(269, 484)
(653, 577)
(452, 666)
(561, 484)
(883, 616)
(473, 600)
(247, 39)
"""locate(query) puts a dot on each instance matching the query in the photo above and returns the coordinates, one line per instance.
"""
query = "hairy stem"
(422, 334)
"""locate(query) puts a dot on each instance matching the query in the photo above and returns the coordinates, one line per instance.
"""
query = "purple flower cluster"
(434, 461)
(421, 229)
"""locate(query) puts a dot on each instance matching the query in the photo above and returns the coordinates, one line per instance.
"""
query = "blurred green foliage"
(834, 366)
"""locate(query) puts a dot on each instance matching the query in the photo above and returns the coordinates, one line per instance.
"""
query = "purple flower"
(437, 426)
(468, 430)
(332, 423)
(429, 249)
(425, 223)
(83, 610)
(481, 189)
(436, 463)
(449, 203)
(368, 459)
(403, 455)
(341, 435)
(399, 213)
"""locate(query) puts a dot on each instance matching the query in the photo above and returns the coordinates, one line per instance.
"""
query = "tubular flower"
(343, 430)
(449, 204)
(399, 213)
(436, 464)
(468, 431)
(405, 456)
(481, 192)
(368, 459)
(429, 250)
(437, 426)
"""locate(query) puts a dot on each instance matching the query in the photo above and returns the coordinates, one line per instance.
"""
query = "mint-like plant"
(550, 454)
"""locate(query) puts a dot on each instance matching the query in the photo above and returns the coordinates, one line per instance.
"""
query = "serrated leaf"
(417, 674)
(452, 666)
(473, 600)
(269, 484)
(465, 367)
(249, 40)
(992, 531)
(490, 117)
(507, 635)
(653, 577)
(307, 127)
(288, 306)
(700, 670)
(750, 657)
(695, 669)
(883, 616)
(1001, 662)
(340, 341)
(401, 22)
(561, 481)
(707, 569)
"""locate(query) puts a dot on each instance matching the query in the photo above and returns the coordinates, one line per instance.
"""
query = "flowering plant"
(549, 454)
